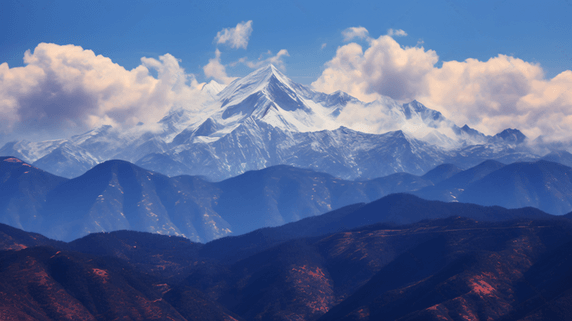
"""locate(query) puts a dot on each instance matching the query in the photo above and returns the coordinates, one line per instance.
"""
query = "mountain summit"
(267, 80)
(269, 96)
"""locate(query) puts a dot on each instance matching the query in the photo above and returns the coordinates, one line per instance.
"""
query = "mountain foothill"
(354, 263)
(265, 206)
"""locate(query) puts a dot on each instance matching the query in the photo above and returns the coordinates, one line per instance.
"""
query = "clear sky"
(125, 31)
(307, 39)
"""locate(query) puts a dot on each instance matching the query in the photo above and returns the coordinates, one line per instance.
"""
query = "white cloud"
(355, 32)
(236, 37)
(397, 33)
(384, 68)
(215, 69)
(69, 88)
(276, 60)
(488, 95)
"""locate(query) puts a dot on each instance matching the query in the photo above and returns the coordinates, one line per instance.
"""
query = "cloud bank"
(385, 68)
(490, 95)
(73, 88)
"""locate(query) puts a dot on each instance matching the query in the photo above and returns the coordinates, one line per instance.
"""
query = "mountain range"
(118, 195)
(267, 200)
(265, 119)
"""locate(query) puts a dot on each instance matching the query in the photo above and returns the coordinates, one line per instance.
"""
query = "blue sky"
(125, 31)
(489, 64)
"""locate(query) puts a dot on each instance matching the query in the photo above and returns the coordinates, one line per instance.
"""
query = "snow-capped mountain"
(266, 119)
(61, 157)
(266, 96)
(212, 88)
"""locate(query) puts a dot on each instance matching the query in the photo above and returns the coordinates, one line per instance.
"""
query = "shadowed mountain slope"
(395, 209)
(328, 266)
(560, 156)
(542, 184)
(441, 173)
(451, 188)
(545, 290)
(466, 270)
(15, 239)
(44, 283)
(117, 195)
(282, 194)
(431, 269)
(160, 255)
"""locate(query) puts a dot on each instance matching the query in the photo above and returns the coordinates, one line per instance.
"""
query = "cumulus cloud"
(236, 37)
(490, 95)
(266, 59)
(396, 33)
(355, 32)
(384, 68)
(70, 87)
(215, 69)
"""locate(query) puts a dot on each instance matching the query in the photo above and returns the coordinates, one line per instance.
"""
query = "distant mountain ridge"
(542, 184)
(395, 209)
(118, 195)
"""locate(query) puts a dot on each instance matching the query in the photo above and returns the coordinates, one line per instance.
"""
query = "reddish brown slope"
(44, 283)
(469, 272)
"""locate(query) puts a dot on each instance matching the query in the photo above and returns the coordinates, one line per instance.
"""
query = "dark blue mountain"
(542, 184)
(23, 192)
(441, 173)
(560, 156)
(450, 189)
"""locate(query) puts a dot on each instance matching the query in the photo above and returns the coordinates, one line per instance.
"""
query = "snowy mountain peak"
(212, 88)
(91, 134)
(257, 81)
(269, 96)
(429, 116)
(270, 70)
